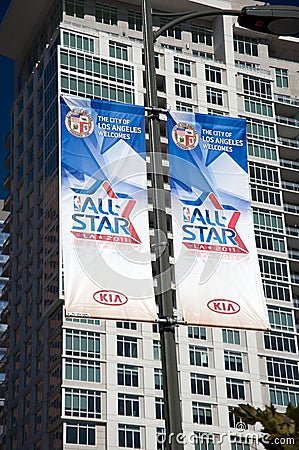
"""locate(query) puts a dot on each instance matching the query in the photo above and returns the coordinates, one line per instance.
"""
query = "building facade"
(86, 383)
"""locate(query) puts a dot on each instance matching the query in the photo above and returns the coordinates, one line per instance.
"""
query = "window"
(127, 325)
(213, 74)
(263, 174)
(78, 42)
(202, 413)
(262, 150)
(273, 268)
(260, 130)
(127, 375)
(129, 436)
(258, 107)
(157, 350)
(197, 333)
(267, 220)
(174, 32)
(187, 107)
(217, 112)
(200, 384)
(158, 378)
(282, 78)
(128, 405)
(233, 420)
(135, 20)
(182, 66)
(82, 403)
(270, 242)
(233, 361)
(82, 343)
(265, 195)
(280, 318)
(257, 87)
(235, 388)
(204, 55)
(214, 96)
(198, 356)
(246, 45)
(239, 444)
(118, 50)
(183, 89)
(82, 370)
(231, 336)
(282, 370)
(159, 407)
(80, 433)
(161, 438)
(75, 8)
(202, 35)
(127, 346)
(105, 14)
(283, 395)
(280, 342)
(277, 291)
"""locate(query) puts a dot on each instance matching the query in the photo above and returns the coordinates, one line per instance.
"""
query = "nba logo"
(186, 214)
(77, 203)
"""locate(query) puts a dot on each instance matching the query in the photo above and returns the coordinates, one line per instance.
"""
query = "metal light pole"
(172, 404)
(268, 19)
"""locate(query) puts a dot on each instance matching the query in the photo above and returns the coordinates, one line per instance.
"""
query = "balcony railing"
(290, 186)
(293, 254)
(252, 68)
(286, 99)
(291, 208)
(287, 120)
(292, 231)
(289, 163)
(288, 142)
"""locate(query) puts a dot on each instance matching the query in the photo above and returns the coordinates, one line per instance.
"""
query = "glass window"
(82, 343)
(200, 384)
(266, 195)
(231, 336)
(258, 107)
(174, 32)
(213, 74)
(280, 318)
(80, 433)
(158, 378)
(75, 8)
(282, 370)
(127, 375)
(198, 356)
(197, 333)
(159, 407)
(246, 45)
(262, 150)
(280, 342)
(128, 405)
(257, 87)
(282, 78)
(260, 130)
(129, 436)
(283, 395)
(183, 89)
(157, 350)
(202, 413)
(82, 403)
(182, 66)
(82, 370)
(214, 96)
(105, 14)
(202, 35)
(135, 20)
(273, 268)
(127, 346)
(233, 361)
(118, 50)
(235, 388)
(277, 291)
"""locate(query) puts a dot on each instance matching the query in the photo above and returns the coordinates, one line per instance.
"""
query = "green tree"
(282, 429)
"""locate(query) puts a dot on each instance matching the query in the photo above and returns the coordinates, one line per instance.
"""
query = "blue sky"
(6, 88)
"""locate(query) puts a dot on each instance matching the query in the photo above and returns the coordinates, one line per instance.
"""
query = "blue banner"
(104, 214)
(216, 267)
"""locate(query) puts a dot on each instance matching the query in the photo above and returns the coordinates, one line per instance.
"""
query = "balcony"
(293, 254)
(292, 231)
(287, 99)
(290, 186)
(291, 208)
(287, 121)
(289, 163)
(288, 142)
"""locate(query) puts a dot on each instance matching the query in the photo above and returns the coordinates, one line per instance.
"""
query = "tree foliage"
(282, 429)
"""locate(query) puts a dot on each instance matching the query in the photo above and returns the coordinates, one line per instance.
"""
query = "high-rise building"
(86, 383)
(3, 309)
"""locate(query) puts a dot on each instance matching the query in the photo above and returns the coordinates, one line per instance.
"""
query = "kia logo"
(110, 298)
(223, 306)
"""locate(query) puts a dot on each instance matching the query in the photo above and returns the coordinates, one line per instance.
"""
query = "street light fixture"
(273, 20)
